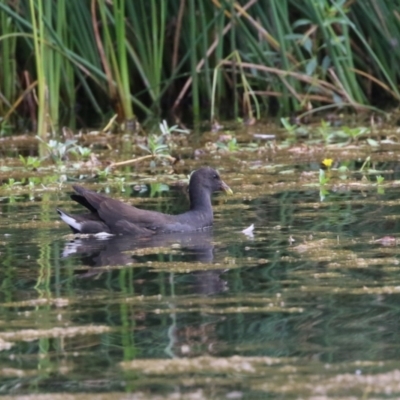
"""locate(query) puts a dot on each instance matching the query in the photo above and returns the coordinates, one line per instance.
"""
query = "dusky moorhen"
(114, 217)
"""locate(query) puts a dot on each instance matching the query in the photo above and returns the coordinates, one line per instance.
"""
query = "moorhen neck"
(114, 217)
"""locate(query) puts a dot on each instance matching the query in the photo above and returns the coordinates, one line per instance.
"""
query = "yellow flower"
(326, 164)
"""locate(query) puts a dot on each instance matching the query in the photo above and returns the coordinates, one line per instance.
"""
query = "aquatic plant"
(12, 183)
(289, 128)
(230, 146)
(30, 162)
(168, 130)
(355, 133)
(58, 150)
(324, 171)
(155, 146)
(102, 174)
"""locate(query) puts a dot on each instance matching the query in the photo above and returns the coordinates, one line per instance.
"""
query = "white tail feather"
(70, 220)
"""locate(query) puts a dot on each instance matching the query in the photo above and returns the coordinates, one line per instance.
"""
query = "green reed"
(114, 58)
(9, 64)
(156, 56)
(36, 11)
(146, 46)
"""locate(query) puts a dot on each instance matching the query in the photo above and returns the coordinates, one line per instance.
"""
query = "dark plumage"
(113, 216)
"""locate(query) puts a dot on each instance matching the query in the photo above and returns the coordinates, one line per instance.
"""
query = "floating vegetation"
(56, 332)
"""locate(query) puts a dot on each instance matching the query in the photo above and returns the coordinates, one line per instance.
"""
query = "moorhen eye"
(114, 217)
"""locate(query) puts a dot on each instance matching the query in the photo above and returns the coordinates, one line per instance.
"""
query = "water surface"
(306, 306)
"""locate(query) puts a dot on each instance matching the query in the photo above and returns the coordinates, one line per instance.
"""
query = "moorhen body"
(114, 217)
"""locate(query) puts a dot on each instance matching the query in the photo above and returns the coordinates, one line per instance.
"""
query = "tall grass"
(114, 57)
(9, 64)
(37, 18)
(147, 58)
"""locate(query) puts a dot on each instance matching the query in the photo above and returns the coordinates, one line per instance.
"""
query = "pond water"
(305, 306)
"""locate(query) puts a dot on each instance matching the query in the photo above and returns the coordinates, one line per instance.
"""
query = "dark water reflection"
(308, 306)
(118, 250)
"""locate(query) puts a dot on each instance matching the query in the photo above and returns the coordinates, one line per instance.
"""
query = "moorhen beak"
(114, 217)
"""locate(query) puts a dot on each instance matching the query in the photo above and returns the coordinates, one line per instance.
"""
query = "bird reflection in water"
(194, 247)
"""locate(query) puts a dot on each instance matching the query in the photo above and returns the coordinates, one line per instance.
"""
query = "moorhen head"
(114, 217)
